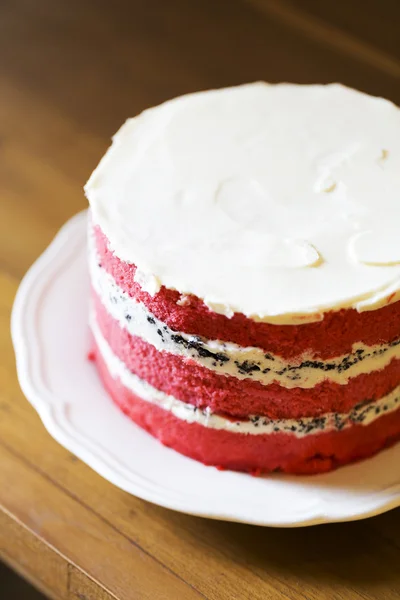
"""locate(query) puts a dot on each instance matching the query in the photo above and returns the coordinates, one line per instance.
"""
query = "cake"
(244, 260)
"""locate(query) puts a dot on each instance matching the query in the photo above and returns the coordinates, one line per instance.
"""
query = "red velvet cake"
(245, 268)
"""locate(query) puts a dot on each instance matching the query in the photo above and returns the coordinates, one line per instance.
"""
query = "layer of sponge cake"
(332, 336)
(253, 453)
(192, 383)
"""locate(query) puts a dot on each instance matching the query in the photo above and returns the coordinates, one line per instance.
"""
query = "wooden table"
(70, 73)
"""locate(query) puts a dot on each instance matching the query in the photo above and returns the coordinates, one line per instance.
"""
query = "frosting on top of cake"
(276, 201)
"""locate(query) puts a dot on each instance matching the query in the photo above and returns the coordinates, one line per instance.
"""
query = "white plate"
(49, 327)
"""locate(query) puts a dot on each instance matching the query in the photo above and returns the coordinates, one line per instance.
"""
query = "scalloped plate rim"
(36, 279)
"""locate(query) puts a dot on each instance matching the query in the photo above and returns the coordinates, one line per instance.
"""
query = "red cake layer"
(192, 383)
(314, 453)
(333, 336)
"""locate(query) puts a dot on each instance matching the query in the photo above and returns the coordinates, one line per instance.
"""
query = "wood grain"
(70, 73)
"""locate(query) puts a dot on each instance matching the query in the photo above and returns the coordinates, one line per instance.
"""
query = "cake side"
(290, 446)
(205, 387)
(303, 397)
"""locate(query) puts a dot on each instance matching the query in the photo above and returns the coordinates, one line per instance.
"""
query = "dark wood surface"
(71, 71)
(15, 588)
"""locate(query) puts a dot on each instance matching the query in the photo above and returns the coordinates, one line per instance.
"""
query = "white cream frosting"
(362, 414)
(227, 358)
(276, 201)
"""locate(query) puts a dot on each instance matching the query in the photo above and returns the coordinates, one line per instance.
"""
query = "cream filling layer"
(231, 359)
(363, 413)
